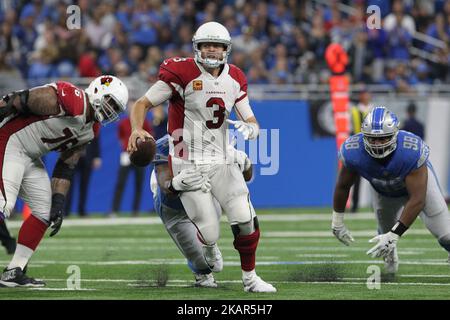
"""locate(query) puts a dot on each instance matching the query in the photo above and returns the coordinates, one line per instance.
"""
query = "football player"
(173, 215)
(202, 93)
(404, 185)
(54, 117)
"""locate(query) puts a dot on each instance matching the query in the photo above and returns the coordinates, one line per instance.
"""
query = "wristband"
(171, 188)
(399, 228)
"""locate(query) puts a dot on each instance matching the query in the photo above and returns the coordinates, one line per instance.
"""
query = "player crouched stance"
(404, 185)
(202, 93)
(55, 117)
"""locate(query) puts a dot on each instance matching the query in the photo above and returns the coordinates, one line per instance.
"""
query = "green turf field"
(134, 258)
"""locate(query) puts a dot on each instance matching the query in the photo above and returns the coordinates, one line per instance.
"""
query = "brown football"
(145, 152)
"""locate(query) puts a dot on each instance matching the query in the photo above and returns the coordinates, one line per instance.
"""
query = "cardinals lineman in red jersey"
(55, 117)
(202, 93)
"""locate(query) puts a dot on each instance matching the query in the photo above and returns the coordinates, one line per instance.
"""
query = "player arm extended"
(156, 95)
(416, 184)
(345, 181)
(60, 183)
(41, 101)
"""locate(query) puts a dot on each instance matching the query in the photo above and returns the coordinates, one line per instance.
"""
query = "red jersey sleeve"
(240, 78)
(178, 72)
(70, 98)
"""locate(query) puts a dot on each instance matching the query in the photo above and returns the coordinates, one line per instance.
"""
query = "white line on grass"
(117, 221)
(326, 234)
(424, 262)
(178, 282)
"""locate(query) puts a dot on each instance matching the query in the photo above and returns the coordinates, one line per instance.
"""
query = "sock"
(246, 245)
(30, 234)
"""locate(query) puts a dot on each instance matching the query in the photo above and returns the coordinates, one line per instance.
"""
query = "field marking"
(118, 221)
(327, 234)
(236, 262)
(189, 283)
(61, 289)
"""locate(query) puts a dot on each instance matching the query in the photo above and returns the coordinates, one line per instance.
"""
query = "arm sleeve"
(243, 109)
(159, 93)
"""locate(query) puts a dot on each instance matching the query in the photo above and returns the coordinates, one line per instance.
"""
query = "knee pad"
(208, 234)
(239, 210)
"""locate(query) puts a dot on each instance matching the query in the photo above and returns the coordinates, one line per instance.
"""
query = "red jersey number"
(66, 139)
(218, 106)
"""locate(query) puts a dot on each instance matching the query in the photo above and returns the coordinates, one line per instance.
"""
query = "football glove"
(339, 229)
(386, 243)
(57, 213)
(249, 130)
(188, 180)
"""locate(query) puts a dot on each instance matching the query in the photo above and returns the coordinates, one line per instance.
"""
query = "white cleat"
(253, 283)
(391, 262)
(213, 257)
(205, 280)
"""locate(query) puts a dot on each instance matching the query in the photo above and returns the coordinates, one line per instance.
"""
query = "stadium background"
(280, 46)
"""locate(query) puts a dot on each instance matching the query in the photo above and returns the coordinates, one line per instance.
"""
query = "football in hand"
(145, 152)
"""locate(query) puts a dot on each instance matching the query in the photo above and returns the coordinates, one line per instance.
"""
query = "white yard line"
(117, 221)
(234, 262)
(327, 234)
(179, 282)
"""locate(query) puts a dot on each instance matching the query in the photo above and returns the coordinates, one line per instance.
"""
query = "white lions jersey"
(38, 135)
(199, 106)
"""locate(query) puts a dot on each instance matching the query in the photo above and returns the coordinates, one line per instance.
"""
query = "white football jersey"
(199, 106)
(38, 135)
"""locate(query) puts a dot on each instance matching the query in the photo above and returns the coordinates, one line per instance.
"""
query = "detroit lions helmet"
(380, 129)
(211, 32)
(108, 96)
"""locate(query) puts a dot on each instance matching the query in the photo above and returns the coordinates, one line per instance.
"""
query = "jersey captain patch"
(197, 85)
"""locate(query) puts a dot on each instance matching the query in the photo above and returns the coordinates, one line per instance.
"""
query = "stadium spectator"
(411, 123)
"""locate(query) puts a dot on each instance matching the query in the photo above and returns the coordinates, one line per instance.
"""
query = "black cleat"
(16, 278)
(10, 245)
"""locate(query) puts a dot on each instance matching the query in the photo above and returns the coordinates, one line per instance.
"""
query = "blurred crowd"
(275, 41)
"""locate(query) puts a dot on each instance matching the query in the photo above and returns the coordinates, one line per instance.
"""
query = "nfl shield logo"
(197, 85)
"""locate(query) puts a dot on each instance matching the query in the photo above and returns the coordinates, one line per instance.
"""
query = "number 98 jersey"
(387, 176)
(199, 106)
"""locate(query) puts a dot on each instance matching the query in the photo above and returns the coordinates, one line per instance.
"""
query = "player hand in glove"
(386, 243)
(187, 180)
(249, 130)
(340, 231)
(57, 212)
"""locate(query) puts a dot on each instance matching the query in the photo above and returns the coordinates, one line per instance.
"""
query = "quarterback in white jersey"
(55, 117)
(202, 93)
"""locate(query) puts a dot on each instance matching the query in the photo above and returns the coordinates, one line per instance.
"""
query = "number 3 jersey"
(387, 176)
(38, 135)
(199, 106)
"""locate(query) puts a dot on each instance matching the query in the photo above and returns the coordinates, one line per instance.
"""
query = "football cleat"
(253, 283)
(205, 280)
(213, 257)
(391, 262)
(16, 278)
